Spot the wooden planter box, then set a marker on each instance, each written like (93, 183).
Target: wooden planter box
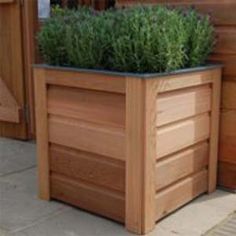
(130, 147)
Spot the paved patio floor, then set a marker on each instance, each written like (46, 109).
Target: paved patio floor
(23, 214)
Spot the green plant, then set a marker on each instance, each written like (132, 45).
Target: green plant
(139, 39)
(201, 38)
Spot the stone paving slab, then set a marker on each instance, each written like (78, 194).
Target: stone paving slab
(16, 156)
(19, 203)
(225, 228)
(201, 214)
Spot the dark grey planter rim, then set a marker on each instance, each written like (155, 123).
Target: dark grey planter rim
(129, 74)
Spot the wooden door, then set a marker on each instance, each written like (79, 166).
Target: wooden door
(13, 122)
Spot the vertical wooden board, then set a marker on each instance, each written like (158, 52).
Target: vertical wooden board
(42, 133)
(214, 130)
(30, 27)
(151, 88)
(141, 151)
(11, 68)
(134, 154)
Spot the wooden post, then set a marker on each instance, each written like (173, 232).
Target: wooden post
(30, 26)
(42, 133)
(214, 138)
(140, 187)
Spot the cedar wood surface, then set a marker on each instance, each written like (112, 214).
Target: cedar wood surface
(11, 71)
(153, 157)
(223, 14)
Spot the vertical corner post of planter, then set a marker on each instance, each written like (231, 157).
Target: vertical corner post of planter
(215, 122)
(42, 132)
(140, 155)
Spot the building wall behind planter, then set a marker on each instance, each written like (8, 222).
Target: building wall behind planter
(224, 17)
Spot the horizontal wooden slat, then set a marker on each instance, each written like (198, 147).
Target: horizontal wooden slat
(229, 95)
(221, 12)
(180, 193)
(226, 38)
(181, 165)
(175, 82)
(228, 136)
(180, 135)
(86, 80)
(106, 172)
(107, 141)
(88, 105)
(88, 197)
(181, 104)
(227, 175)
(229, 62)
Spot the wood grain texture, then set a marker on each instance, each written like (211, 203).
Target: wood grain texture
(183, 164)
(223, 16)
(181, 104)
(29, 30)
(180, 193)
(6, 1)
(229, 62)
(12, 65)
(86, 80)
(135, 95)
(229, 95)
(42, 134)
(109, 155)
(87, 166)
(150, 147)
(226, 38)
(87, 196)
(9, 109)
(175, 82)
(177, 136)
(227, 175)
(107, 141)
(140, 151)
(88, 105)
(228, 136)
(214, 130)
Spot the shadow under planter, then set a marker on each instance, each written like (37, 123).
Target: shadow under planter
(131, 147)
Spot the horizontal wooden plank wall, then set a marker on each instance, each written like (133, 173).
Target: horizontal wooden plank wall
(223, 14)
(86, 170)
